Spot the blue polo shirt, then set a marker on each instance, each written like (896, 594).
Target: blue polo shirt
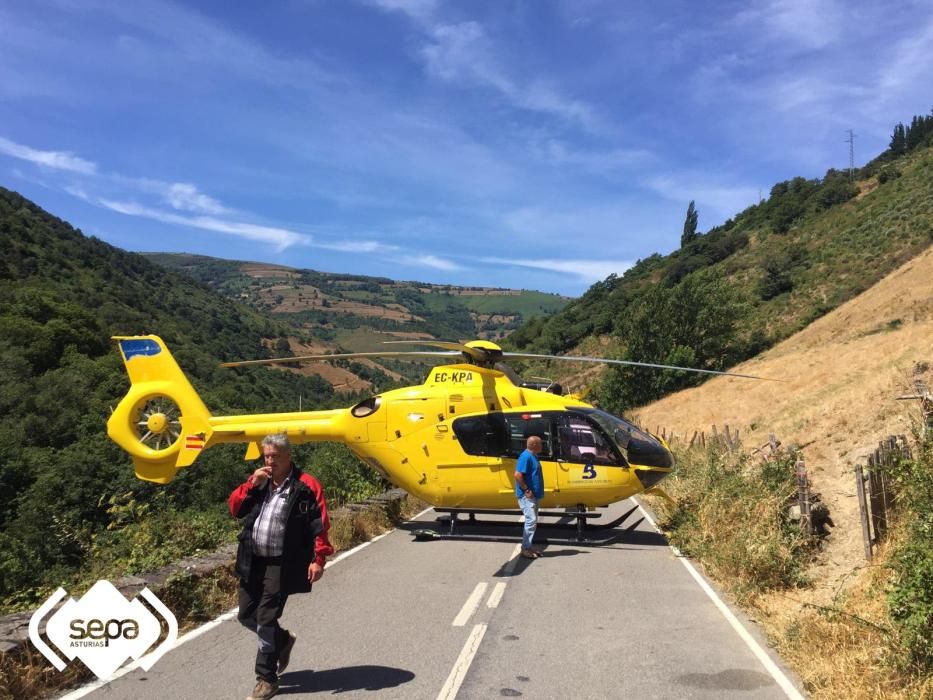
(530, 468)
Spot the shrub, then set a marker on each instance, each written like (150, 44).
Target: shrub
(910, 599)
(731, 514)
(887, 174)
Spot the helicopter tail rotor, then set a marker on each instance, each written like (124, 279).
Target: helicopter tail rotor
(161, 422)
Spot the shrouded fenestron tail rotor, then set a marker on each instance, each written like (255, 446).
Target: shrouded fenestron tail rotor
(156, 422)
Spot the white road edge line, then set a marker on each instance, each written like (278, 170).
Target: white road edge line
(782, 680)
(469, 607)
(462, 665)
(496, 595)
(206, 627)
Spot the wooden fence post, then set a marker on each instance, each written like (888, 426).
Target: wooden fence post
(878, 524)
(803, 497)
(863, 509)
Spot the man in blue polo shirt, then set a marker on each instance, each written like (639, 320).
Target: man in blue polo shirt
(529, 488)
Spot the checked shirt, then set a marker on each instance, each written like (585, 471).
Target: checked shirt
(269, 528)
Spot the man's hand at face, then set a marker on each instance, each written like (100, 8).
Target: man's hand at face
(260, 475)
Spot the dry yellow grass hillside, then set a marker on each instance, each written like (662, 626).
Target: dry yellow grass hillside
(841, 375)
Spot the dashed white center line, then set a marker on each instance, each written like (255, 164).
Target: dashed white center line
(496, 595)
(459, 671)
(469, 607)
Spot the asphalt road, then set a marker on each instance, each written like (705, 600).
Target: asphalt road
(468, 618)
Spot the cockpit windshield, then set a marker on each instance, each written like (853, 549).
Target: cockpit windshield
(638, 446)
(618, 429)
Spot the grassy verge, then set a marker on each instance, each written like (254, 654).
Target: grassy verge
(875, 640)
(192, 599)
(732, 515)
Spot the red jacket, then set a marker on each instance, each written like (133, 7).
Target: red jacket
(322, 545)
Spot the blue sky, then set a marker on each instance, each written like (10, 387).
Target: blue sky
(539, 144)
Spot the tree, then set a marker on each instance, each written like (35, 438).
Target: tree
(690, 325)
(690, 225)
(776, 279)
(898, 140)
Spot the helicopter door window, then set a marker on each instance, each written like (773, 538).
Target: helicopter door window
(482, 435)
(581, 441)
(523, 425)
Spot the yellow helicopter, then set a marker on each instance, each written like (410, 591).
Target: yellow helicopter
(453, 441)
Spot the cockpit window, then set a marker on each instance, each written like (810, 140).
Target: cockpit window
(582, 441)
(639, 447)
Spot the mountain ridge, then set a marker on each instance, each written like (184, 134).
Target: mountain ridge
(787, 261)
(329, 306)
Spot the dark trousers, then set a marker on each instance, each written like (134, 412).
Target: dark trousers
(261, 604)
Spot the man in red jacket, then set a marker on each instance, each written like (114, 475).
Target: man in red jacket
(283, 549)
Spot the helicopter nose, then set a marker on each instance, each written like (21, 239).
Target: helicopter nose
(647, 451)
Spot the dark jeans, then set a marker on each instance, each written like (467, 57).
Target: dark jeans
(261, 604)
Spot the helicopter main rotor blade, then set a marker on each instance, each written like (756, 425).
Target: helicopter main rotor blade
(478, 354)
(340, 356)
(566, 358)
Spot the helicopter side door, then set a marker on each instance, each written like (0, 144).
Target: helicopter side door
(585, 457)
(521, 426)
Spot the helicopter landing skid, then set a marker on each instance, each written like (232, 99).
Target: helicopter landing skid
(581, 517)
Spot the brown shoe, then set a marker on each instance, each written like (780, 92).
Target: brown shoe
(286, 654)
(529, 554)
(264, 690)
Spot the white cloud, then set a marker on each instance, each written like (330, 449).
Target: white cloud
(196, 41)
(416, 9)
(560, 153)
(463, 53)
(57, 160)
(725, 200)
(795, 24)
(357, 247)
(79, 192)
(911, 63)
(813, 24)
(186, 197)
(279, 237)
(588, 271)
(431, 261)
(590, 226)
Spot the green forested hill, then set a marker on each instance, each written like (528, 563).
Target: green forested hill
(67, 494)
(356, 312)
(756, 279)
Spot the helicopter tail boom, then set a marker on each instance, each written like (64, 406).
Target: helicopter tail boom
(161, 422)
(164, 426)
